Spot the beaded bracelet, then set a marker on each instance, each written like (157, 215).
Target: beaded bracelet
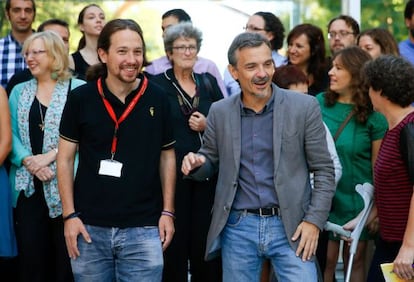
(168, 213)
(71, 215)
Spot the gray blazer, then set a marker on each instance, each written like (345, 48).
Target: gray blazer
(299, 147)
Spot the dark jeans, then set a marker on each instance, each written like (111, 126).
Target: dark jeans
(384, 252)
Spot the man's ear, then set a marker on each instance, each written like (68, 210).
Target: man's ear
(407, 23)
(102, 55)
(270, 35)
(233, 71)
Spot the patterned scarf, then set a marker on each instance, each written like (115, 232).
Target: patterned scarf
(24, 180)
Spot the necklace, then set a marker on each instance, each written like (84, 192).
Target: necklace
(42, 124)
(187, 107)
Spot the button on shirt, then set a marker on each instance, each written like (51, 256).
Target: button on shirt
(11, 58)
(256, 186)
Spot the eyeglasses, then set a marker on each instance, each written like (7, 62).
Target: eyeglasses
(253, 28)
(183, 49)
(340, 34)
(34, 53)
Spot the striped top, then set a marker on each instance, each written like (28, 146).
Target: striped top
(393, 189)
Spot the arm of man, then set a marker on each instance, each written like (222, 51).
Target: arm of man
(168, 175)
(65, 171)
(320, 163)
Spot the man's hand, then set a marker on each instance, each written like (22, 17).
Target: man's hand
(74, 227)
(309, 235)
(192, 161)
(166, 229)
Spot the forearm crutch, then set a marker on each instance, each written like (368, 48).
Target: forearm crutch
(366, 191)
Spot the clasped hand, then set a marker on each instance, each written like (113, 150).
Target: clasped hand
(38, 165)
(197, 122)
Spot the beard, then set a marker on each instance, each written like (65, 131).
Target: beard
(128, 78)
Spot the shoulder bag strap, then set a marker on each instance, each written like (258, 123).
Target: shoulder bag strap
(343, 124)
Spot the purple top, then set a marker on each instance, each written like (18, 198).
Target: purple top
(202, 65)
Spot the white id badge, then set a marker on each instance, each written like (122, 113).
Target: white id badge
(110, 168)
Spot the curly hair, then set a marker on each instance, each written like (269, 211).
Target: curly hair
(383, 38)
(393, 76)
(352, 59)
(275, 26)
(317, 65)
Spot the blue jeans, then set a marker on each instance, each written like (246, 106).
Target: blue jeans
(248, 239)
(115, 254)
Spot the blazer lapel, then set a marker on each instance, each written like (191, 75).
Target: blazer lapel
(278, 122)
(235, 123)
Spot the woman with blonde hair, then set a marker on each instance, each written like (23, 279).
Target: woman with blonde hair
(35, 108)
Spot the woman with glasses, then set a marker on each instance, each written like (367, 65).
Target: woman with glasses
(306, 50)
(35, 108)
(191, 95)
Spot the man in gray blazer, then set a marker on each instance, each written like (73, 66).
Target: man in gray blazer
(264, 142)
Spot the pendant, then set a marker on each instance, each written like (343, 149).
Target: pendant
(42, 126)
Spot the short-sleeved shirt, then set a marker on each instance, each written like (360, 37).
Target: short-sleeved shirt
(406, 48)
(393, 188)
(135, 198)
(354, 148)
(11, 59)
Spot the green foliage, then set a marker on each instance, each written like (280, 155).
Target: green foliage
(374, 13)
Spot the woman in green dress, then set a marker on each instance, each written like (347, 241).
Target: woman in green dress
(357, 146)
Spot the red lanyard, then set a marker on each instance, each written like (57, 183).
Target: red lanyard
(124, 115)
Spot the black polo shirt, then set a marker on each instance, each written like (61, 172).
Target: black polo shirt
(135, 198)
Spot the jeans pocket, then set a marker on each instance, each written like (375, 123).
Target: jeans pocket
(235, 217)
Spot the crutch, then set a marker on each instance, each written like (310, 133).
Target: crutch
(366, 191)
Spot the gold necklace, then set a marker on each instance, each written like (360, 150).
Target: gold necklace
(42, 124)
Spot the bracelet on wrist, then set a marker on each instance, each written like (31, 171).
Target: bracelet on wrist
(168, 213)
(71, 215)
